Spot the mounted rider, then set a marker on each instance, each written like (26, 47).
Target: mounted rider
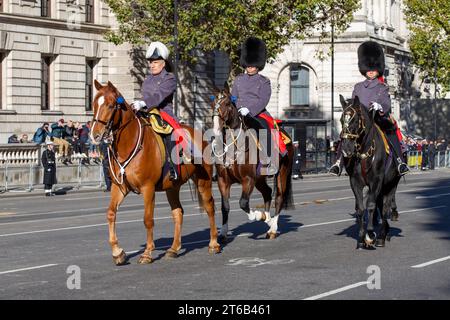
(373, 93)
(158, 90)
(251, 92)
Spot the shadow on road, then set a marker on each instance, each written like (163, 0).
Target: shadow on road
(436, 197)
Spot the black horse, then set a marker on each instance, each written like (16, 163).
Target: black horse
(368, 164)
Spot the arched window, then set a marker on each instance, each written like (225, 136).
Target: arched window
(299, 86)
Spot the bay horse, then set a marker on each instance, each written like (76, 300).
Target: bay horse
(226, 116)
(368, 164)
(136, 158)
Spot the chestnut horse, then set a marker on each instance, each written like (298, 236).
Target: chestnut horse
(134, 154)
(226, 116)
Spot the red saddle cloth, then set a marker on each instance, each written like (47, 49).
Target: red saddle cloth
(278, 139)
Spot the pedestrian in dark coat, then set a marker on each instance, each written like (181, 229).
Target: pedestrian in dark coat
(49, 164)
(431, 154)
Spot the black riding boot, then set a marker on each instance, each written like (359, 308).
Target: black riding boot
(336, 168)
(170, 145)
(402, 167)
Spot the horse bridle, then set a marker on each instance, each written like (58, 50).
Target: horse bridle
(119, 102)
(347, 134)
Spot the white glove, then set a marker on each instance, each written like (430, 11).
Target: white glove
(138, 105)
(244, 111)
(377, 107)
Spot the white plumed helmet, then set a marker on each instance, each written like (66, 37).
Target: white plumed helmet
(157, 50)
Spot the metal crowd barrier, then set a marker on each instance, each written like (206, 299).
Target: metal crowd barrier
(419, 160)
(20, 165)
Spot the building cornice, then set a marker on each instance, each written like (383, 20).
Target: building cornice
(51, 23)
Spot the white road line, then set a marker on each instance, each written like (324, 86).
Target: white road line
(30, 268)
(422, 265)
(188, 215)
(88, 226)
(433, 196)
(329, 293)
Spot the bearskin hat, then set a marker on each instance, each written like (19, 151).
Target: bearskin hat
(253, 53)
(370, 57)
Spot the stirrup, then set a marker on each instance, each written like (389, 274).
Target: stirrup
(332, 171)
(405, 166)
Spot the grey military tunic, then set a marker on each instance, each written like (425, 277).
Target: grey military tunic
(252, 92)
(369, 91)
(158, 91)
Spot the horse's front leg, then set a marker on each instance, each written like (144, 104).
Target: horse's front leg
(374, 191)
(248, 185)
(359, 206)
(266, 191)
(119, 256)
(149, 206)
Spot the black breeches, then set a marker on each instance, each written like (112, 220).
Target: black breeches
(257, 124)
(394, 143)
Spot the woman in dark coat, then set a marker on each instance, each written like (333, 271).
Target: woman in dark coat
(49, 164)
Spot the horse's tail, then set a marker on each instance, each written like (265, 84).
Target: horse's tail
(288, 200)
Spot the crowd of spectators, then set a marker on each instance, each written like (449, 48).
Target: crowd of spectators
(70, 138)
(428, 149)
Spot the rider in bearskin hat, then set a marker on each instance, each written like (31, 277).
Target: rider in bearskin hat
(252, 91)
(373, 93)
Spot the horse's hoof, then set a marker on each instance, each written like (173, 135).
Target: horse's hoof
(359, 246)
(388, 238)
(170, 254)
(271, 235)
(120, 259)
(214, 250)
(380, 243)
(394, 218)
(145, 259)
(222, 239)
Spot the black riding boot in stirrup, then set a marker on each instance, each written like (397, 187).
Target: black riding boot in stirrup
(402, 167)
(170, 145)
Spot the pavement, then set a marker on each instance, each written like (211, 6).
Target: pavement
(57, 247)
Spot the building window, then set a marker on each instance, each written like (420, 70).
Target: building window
(1, 5)
(90, 65)
(299, 86)
(90, 11)
(45, 82)
(45, 8)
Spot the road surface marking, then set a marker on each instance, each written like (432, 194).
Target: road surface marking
(188, 215)
(329, 293)
(30, 268)
(422, 265)
(433, 196)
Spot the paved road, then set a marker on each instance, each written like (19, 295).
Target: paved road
(314, 257)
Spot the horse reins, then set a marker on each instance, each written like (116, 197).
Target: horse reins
(120, 101)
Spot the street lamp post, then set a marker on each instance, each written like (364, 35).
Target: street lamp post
(435, 48)
(175, 71)
(332, 79)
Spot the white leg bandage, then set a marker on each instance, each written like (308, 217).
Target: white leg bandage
(251, 215)
(273, 223)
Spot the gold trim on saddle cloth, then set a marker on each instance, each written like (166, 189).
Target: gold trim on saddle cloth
(383, 136)
(157, 122)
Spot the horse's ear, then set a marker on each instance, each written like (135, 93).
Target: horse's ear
(110, 84)
(356, 101)
(97, 84)
(226, 88)
(343, 102)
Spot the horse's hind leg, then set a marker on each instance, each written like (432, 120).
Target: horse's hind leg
(149, 205)
(224, 187)
(387, 203)
(204, 187)
(119, 256)
(394, 212)
(173, 196)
